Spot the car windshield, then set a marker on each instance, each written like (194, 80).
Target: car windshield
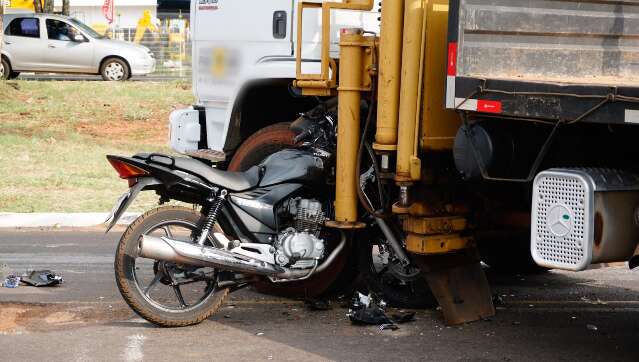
(87, 29)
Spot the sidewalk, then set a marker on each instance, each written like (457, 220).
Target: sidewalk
(28, 220)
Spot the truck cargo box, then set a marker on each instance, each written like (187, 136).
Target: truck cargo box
(554, 60)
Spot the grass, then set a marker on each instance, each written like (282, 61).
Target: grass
(54, 137)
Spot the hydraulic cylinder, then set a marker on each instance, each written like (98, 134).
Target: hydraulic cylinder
(348, 129)
(390, 67)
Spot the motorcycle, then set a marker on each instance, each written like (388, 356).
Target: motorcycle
(174, 265)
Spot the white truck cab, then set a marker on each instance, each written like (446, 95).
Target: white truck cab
(243, 67)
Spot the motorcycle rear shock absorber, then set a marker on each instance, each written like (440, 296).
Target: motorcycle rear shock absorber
(211, 219)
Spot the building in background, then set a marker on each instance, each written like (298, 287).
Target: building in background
(127, 12)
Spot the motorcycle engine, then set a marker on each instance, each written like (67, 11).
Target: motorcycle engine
(299, 245)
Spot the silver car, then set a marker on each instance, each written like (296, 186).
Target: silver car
(60, 44)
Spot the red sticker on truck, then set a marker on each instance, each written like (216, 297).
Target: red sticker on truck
(208, 4)
(452, 59)
(488, 106)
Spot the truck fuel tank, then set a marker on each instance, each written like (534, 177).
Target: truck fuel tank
(584, 216)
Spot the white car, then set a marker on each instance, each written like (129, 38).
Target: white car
(61, 44)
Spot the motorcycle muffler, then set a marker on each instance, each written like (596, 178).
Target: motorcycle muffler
(165, 249)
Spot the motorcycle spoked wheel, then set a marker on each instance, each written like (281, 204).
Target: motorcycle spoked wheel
(166, 294)
(335, 279)
(387, 281)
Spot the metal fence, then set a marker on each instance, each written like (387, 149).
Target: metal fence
(169, 40)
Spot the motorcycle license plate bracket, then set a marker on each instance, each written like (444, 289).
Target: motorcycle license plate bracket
(126, 199)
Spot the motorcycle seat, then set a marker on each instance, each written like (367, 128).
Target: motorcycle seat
(232, 181)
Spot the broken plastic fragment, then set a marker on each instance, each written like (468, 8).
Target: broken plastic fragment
(369, 310)
(403, 318)
(42, 278)
(12, 281)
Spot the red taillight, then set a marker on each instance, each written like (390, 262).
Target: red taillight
(133, 181)
(127, 171)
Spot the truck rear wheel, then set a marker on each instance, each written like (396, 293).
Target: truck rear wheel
(508, 252)
(262, 144)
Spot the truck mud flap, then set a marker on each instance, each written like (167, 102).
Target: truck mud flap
(459, 284)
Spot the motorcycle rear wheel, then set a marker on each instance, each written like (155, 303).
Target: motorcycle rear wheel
(172, 307)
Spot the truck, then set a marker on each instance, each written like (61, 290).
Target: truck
(488, 130)
(243, 67)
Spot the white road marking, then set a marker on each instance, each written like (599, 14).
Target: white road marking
(133, 351)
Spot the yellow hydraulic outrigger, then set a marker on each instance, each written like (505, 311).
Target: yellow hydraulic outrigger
(408, 63)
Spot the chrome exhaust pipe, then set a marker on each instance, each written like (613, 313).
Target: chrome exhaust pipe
(165, 249)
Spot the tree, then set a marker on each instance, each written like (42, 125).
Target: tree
(48, 6)
(37, 5)
(65, 7)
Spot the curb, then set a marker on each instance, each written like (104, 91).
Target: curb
(33, 220)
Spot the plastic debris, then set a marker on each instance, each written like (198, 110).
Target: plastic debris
(390, 326)
(365, 310)
(401, 318)
(42, 278)
(369, 310)
(590, 301)
(12, 281)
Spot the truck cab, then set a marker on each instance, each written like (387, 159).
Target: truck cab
(243, 68)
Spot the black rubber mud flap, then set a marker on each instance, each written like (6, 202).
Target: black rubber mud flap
(459, 285)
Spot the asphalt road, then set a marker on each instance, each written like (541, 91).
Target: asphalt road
(589, 316)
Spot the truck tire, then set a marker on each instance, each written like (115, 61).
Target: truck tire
(115, 70)
(251, 152)
(260, 145)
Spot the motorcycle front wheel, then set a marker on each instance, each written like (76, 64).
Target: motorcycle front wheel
(166, 294)
(395, 285)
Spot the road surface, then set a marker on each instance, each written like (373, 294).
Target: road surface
(589, 316)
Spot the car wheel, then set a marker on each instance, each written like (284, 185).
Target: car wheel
(14, 75)
(115, 69)
(5, 69)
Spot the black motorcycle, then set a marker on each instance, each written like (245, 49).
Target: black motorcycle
(175, 265)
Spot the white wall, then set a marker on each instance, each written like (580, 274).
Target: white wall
(129, 15)
(90, 11)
